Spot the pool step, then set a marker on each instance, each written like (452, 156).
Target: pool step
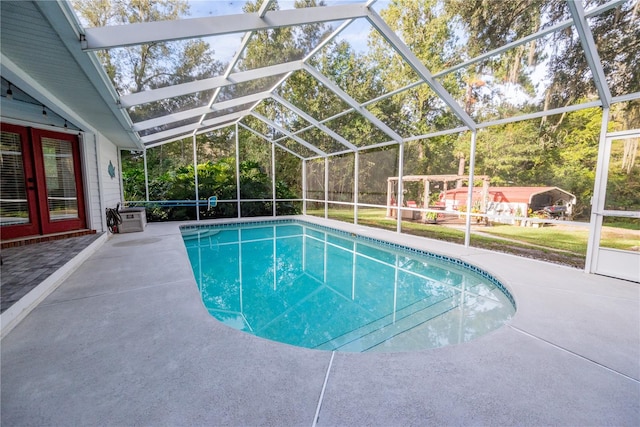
(385, 328)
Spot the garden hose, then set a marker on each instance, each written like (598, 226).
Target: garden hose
(113, 219)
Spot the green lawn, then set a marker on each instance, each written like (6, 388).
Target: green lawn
(567, 246)
(572, 239)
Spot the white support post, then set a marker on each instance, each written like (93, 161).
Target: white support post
(238, 170)
(326, 187)
(389, 191)
(195, 177)
(356, 161)
(599, 192)
(426, 198)
(400, 198)
(472, 164)
(146, 175)
(304, 186)
(273, 180)
(120, 178)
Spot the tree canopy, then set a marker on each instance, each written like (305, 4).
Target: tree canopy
(542, 74)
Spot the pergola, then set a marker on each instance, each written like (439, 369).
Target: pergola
(240, 112)
(426, 180)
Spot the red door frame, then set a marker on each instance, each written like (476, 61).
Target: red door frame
(47, 225)
(35, 181)
(33, 226)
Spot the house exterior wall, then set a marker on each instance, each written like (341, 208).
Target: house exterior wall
(101, 191)
(91, 182)
(110, 184)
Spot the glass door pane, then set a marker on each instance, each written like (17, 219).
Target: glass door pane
(60, 179)
(18, 203)
(14, 206)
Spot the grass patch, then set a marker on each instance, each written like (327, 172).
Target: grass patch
(561, 246)
(620, 238)
(571, 239)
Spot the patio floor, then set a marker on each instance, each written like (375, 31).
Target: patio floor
(125, 340)
(25, 267)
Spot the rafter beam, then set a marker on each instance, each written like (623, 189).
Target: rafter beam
(169, 118)
(264, 7)
(234, 102)
(230, 66)
(539, 34)
(289, 134)
(379, 24)
(200, 111)
(288, 150)
(207, 84)
(314, 122)
(352, 102)
(149, 32)
(189, 129)
(590, 52)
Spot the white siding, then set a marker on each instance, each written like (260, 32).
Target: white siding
(110, 186)
(101, 191)
(90, 182)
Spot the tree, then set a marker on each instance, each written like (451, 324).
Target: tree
(148, 66)
(617, 36)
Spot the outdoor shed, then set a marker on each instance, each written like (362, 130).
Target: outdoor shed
(511, 201)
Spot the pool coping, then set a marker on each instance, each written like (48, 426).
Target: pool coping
(125, 339)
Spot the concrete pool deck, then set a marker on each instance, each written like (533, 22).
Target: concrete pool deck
(126, 340)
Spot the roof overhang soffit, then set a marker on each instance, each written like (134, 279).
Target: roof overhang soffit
(63, 21)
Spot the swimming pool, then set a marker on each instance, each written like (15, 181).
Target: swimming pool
(321, 288)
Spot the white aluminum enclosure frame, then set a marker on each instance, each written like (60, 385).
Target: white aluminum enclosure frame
(602, 260)
(248, 23)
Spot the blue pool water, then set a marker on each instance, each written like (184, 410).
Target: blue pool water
(319, 288)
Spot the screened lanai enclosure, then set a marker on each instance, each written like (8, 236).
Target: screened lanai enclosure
(269, 108)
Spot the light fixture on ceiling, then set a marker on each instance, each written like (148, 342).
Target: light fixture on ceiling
(44, 111)
(65, 124)
(9, 93)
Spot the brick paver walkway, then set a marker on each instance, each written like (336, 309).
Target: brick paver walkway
(25, 267)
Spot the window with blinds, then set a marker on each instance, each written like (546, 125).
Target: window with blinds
(60, 178)
(14, 207)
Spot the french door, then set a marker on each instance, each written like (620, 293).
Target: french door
(41, 188)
